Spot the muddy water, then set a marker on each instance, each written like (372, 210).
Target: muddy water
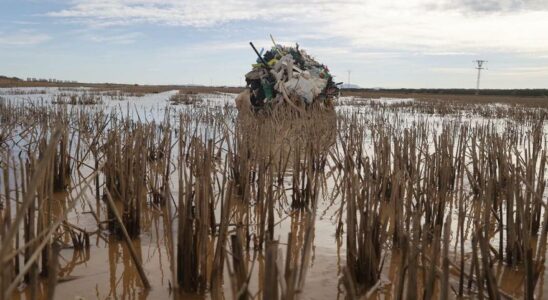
(106, 271)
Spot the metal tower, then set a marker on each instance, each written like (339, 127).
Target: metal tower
(479, 68)
(348, 83)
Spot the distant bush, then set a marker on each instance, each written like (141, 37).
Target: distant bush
(84, 99)
(185, 98)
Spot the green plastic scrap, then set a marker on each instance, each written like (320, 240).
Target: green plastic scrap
(267, 89)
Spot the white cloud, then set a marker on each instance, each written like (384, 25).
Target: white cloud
(421, 25)
(169, 12)
(22, 38)
(449, 53)
(494, 5)
(453, 70)
(523, 71)
(513, 76)
(121, 39)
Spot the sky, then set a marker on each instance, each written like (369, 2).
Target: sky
(389, 43)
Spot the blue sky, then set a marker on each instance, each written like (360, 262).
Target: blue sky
(393, 43)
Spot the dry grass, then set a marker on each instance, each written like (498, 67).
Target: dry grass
(185, 98)
(126, 89)
(74, 99)
(453, 199)
(449, 99)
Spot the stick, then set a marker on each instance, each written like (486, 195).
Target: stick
(276, 46)
(142, 274)
(37, 251)
(28, 198)
(259, 55)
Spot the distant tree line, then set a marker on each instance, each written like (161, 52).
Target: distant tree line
(50, 80)
(488, 92)
(6, 78)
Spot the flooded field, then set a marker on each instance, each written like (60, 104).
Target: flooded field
(112, 195)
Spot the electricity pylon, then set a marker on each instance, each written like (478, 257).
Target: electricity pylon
(479, 68)
(348, 83)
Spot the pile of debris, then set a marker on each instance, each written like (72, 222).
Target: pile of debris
(288, 75)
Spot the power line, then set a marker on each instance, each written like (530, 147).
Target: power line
(479, 68)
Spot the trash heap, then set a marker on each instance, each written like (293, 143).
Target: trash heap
(289, 74)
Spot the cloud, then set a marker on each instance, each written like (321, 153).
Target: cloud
(514, 71)
(489, 6)
(424, 26)
(23, 38)
(523, 71)
(171, 12)
(449, 53)
(120, 39)
(453, 70)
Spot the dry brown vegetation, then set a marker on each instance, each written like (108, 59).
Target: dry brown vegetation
(127, 89)
(75, 99)
(454, 99)
(185, 98)
(449, 204)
